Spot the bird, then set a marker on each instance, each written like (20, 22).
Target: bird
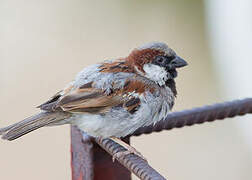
(114, 98)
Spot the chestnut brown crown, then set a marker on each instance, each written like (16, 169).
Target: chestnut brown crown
(157, 53)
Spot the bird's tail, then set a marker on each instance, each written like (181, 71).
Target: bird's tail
(32, 123)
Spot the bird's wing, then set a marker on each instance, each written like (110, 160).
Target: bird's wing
(89, 99)
(51, 103)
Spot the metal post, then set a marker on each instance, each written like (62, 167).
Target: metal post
(91, 162)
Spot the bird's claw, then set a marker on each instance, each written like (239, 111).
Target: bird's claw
(129, 151)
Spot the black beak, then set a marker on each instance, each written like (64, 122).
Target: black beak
(178, 62)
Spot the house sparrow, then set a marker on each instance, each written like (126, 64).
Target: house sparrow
(114, 98)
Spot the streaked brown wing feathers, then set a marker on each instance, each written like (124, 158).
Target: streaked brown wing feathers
(50, 105)
(81, 101)
(132, 105)
(92, 100)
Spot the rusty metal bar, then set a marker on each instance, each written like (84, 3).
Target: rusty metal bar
(200, 115)
(91, 162)
(132, 162)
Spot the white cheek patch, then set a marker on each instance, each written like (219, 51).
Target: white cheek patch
(156, 73)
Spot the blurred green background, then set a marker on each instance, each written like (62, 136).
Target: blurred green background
(43, 44)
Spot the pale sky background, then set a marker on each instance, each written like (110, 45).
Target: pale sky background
(43, 44)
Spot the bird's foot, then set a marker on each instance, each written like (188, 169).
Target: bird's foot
(130, 150)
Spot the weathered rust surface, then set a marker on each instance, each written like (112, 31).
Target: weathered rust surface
(91, 162)
(132, 162)
(105, 169)
(81, 155)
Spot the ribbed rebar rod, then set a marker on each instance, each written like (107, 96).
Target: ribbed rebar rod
(199, 115)
(132, 162)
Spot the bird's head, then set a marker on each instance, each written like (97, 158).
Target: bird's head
(156, 61)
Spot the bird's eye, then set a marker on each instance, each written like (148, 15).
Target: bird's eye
(160, 59)
(163, 60)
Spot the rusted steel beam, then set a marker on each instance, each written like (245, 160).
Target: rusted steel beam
(200, 115)
(91, 162)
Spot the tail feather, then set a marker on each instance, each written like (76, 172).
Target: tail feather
(32, 123)
(18, 124)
